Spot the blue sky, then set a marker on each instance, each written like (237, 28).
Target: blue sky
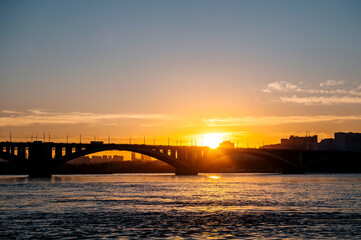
(188, 63)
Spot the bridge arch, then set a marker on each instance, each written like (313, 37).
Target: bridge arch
(318, 160)
(266, 156)
(181, 168)
(334, 161)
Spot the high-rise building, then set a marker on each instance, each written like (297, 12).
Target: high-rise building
(348, 141)
(300, 143)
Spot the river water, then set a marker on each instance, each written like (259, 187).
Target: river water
(158, 206)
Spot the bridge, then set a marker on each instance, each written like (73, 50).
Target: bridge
(40, 159)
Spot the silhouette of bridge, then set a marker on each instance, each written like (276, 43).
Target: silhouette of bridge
(40, 159)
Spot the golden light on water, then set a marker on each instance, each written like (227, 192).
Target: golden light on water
(214, 177)
(212, 140)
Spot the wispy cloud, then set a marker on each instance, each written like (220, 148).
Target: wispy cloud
(11, 112)
(42, 117)
(332, 83)
(276, 120)
(328, 92)
(321, 100)
(280, 86)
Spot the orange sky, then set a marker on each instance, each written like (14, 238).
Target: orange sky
(252, 71)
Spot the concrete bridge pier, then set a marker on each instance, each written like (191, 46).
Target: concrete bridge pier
(185, 171)
(292, 171)
(40, 172)
(39, 165)
(297, 159)
(186, 156)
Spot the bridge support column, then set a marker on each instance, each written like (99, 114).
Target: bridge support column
(185, 157)
(185, 171)
(40, 161)
(296, 158)
(58, 152)
(40, 172)
(292, 171)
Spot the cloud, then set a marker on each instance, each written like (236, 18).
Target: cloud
(11, 112)
(332, 83)
(333, 94)
(37, 111)
(280, 86)
(53, 118)
(321, 100)
(275, 120)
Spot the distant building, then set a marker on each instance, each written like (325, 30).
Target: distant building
(81, 160)
(295, 142)
(145, 158)
(133, 157)
(348, 141)
(342, 142)
(326, 144)
(226, 144)
(117, 158)
(97, 159)
(272, 146)
(300, 143)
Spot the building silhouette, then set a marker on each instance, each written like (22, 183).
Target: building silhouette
(327, 144)
(133, 157)
(97, 159)
(226, 144)
(295, 142)
(300, 143)
(348, 141)
(145, 158)
(342, 142)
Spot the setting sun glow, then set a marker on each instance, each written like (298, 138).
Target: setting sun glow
(212, 140)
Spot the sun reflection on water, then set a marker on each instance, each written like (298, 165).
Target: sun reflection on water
(214, 177)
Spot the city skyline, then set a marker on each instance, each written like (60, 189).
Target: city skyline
(248, 72)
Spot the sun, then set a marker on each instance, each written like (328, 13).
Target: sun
(212, 140)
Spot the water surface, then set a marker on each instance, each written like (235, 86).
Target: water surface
(217, 206)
